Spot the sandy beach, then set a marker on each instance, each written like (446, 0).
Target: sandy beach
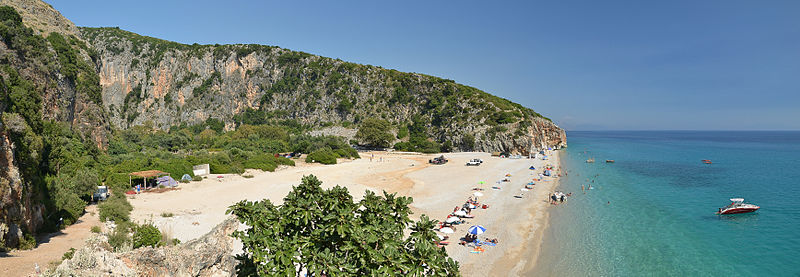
(436, 190)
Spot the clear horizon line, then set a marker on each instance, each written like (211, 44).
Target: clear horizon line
(681, 130)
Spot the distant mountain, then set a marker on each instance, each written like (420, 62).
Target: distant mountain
(148, 79)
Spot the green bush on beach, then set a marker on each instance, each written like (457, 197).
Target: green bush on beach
(146, 235)
(117, 209)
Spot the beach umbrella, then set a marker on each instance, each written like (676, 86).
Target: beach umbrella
(477, 193)
(472, 206)
(460, 213)
(476, 230)
(447, 230)
(452, 219)
(440, 236)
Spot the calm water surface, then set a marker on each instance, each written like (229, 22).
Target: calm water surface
(652, 212)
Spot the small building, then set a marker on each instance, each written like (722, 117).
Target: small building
(201, 170)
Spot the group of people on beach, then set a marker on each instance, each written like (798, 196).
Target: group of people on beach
(558, 197)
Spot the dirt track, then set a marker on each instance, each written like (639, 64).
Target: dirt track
(51, 247)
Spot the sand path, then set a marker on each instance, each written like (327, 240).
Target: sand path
(51, 247)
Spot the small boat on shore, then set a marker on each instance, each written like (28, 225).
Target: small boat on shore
(738, 206)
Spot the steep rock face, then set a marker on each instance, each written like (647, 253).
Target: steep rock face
(34, 89)
(17, 211)
(209, 255)
(147, 79)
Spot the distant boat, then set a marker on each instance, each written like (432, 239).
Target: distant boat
(590, 160)
(738, 206)
(706, 161)
(609, 161)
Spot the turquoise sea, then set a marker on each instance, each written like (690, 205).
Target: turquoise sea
(652, 212)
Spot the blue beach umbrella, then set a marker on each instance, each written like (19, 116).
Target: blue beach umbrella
(476, 230)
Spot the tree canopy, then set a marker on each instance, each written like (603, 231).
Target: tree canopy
(375, 132)
(326, 233)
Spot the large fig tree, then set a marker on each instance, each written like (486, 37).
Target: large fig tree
(322, 232)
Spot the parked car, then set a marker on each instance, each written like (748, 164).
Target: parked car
(474, 162)
(438, 160)
(101, 194)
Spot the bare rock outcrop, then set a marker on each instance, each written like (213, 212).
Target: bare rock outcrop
(209, 255)
(42, 17)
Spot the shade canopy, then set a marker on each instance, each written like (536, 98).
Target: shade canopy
(476, 230)
(148, 173)
(460, 213)
(452, 219)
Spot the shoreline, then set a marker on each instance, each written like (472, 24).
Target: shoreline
(533, 253)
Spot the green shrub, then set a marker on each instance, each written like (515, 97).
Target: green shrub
(323, 156)
(119, 237)
(197, 178)
(375, 132)
(68, 255)
(146, 235)
(116, 209)
(8, 13)
(166, 214)
(96, 229)
(27, 242)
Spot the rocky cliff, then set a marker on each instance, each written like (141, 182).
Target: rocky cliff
(209, 255)
(44, 79)
(148, 79)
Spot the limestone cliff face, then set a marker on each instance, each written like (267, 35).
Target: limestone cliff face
(167, 83)
(34, 88)
(18, 211)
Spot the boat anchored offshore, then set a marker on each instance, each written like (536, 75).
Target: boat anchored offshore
(738, 206)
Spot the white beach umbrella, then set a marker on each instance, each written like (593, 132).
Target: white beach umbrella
(472, 206)
(440, 236)
(476, 230)
(460, 213)
(477, 193)
(452, 219)
(447, 230)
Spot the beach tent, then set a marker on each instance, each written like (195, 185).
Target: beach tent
(166, 181)
(186, 177)
(447, 230)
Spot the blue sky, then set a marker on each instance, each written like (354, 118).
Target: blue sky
(588, 65)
